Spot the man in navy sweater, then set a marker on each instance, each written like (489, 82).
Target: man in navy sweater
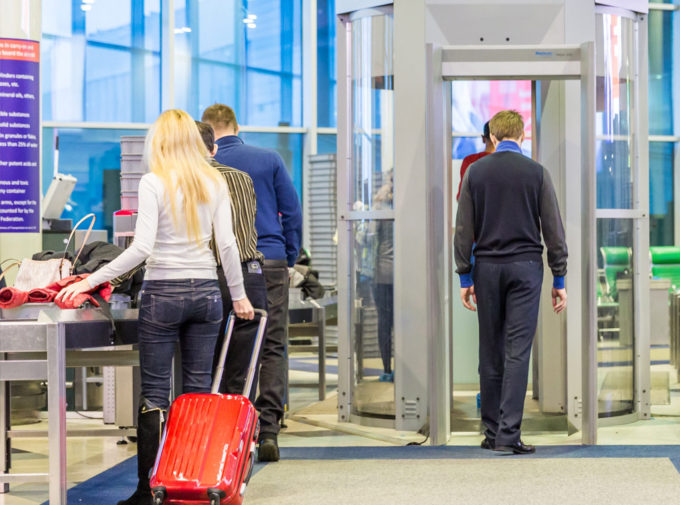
(279, 233)
(507, 200)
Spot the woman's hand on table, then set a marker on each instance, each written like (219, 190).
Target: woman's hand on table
(73, 290)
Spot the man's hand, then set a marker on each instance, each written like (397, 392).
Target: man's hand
(465, 294)
(561, 295)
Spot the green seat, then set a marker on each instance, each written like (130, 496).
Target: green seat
(665, 262)
(615, 260)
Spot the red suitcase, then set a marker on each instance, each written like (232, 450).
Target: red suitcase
(208, 446)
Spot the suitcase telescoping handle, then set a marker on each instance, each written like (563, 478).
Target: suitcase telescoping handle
(253, 359)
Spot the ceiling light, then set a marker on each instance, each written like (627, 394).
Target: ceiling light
(88, 1)
(252, 25)
(252, 16)
(184, 29)
(86, 7)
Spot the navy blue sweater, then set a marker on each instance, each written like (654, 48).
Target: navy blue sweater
(279, 216)
(507, 200)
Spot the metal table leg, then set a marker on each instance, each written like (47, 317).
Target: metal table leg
(56, 411)
(321, 325)
(5, 447)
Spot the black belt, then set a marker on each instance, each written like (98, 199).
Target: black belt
(276, 263)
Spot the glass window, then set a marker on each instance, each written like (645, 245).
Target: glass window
(664, 119)
(101, 60)
(326, 144)
(465, 146)
(288, 145)
(92, 156)
(247, 55)
(326, 65)
(662, 162)
(473, 103)
(663, 42)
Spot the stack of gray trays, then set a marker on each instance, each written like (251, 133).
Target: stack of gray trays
(131, 170)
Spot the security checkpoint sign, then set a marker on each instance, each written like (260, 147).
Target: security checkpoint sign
(19, 136)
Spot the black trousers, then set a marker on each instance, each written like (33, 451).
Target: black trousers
(243, 337)
(274, 362)
(508, 297)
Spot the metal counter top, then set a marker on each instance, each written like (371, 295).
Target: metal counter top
(35, 340)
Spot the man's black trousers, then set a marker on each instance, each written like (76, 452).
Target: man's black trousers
(243, 337)
(274, 362)
(508, 297)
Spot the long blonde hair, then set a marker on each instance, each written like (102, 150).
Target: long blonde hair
(175, 152)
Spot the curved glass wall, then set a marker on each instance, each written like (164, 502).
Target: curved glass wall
(615, 190)
(372, 284)
(614, 43)
(372, 115)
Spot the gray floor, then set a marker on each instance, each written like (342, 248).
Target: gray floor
(484, 482)
(313, 425)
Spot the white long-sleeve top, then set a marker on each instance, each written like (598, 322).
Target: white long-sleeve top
(170, 252)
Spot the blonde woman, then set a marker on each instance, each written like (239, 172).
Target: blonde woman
(181, 201)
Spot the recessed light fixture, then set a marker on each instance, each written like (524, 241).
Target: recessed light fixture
(86, 7)
(184, 29)
(252, 16)
(252, 25)
(88, 1)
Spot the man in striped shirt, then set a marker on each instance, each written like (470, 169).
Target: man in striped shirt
(243, 210)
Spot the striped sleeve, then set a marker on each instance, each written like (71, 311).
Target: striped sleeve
(243, 209)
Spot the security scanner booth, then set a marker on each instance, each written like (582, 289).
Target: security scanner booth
(405, 71)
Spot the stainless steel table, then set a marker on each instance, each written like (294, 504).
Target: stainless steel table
(309, 318)
(36, 348)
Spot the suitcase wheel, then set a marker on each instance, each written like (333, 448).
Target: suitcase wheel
(215, 495)
(158, 495)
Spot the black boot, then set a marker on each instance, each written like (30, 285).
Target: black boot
(149, 427)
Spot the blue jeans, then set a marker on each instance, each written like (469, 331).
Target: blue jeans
(188, 311)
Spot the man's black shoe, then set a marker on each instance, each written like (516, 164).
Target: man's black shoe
(489, 444)
(517, 448)
(268, 449)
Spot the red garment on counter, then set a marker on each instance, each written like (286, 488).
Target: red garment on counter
(41, 295)
(104, 291)
(12, 297)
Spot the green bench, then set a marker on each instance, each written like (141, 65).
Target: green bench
(665, 264)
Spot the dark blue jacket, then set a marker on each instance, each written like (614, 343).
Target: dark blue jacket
(278, 236)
